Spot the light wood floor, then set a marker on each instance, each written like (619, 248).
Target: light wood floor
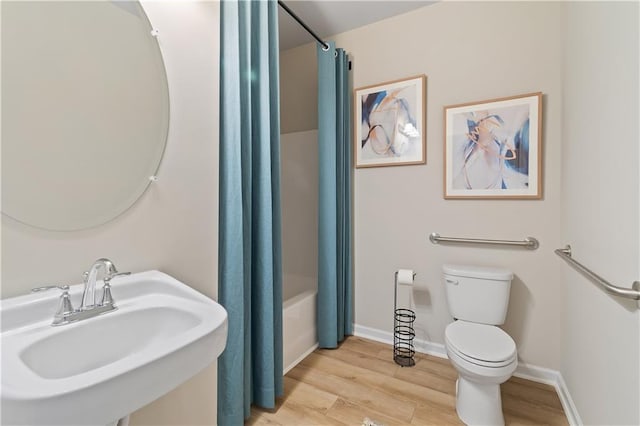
(359, 379)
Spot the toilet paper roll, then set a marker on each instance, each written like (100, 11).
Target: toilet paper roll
(405, 276)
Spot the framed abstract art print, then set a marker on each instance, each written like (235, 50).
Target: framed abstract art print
(390, 123)
(493, 148)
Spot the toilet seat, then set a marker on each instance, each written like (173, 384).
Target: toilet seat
(480, 344)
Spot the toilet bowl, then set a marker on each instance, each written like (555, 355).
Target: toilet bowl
(484, 357)
(483, 354)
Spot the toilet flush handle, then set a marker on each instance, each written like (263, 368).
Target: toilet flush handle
(454, 282)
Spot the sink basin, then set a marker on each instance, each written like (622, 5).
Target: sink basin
(95, 371)
(77, 350)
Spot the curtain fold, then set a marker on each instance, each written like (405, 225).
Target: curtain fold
(250, 253)
(335, 306)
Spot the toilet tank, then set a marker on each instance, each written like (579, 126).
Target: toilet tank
(477, 293)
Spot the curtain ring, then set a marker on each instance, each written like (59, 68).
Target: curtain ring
(326, 47)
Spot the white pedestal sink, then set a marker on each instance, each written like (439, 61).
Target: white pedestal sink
(97, 370)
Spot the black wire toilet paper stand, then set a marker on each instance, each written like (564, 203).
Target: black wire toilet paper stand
(403, 332)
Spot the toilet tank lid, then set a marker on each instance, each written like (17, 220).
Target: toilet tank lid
(483, 272)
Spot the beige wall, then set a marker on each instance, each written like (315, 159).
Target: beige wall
(601, 217)
(469, 51)
(298, 89)
(299, 198)
(173, 227)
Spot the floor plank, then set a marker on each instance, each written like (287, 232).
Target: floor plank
(384, 366)
(429, 379)
(353, 414)
(393, 386)
(353, 388)
(541, 394)
(432, 415)
(359, 379)
(302, 404)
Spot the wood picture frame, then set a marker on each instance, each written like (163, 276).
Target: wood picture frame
(390, 123)
(493, 148)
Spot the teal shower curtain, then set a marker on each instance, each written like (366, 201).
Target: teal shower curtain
(335, 318)
(250, 258)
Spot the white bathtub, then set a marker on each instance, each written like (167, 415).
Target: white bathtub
(299, 328)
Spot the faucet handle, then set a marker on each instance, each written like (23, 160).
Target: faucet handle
(65, 308)
(107, 299)
(64, 288)
(109, 277)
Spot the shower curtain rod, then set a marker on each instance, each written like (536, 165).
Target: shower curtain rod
(325, 46)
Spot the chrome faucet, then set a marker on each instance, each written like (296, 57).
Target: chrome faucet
(90, 277)
(88, 308)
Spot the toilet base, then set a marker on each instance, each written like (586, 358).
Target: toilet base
(478, 404)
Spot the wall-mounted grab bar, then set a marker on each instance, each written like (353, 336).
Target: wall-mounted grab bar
(529, 242)
(629, 293)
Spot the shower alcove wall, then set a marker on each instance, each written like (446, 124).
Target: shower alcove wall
(299, 192)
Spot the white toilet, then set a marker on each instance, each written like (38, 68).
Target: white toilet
(483, 354)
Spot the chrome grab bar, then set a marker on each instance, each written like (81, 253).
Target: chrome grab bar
(529, 242)
(629, 293)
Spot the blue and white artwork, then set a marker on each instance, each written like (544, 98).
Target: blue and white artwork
(390, 123)
(492, 149)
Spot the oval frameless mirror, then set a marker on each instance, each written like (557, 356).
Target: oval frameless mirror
(85, 111)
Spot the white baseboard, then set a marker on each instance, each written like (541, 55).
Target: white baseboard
(422, 346)
(300, 358)
(570, 409)
(537, 374)
(524, 371)
(555, 379)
